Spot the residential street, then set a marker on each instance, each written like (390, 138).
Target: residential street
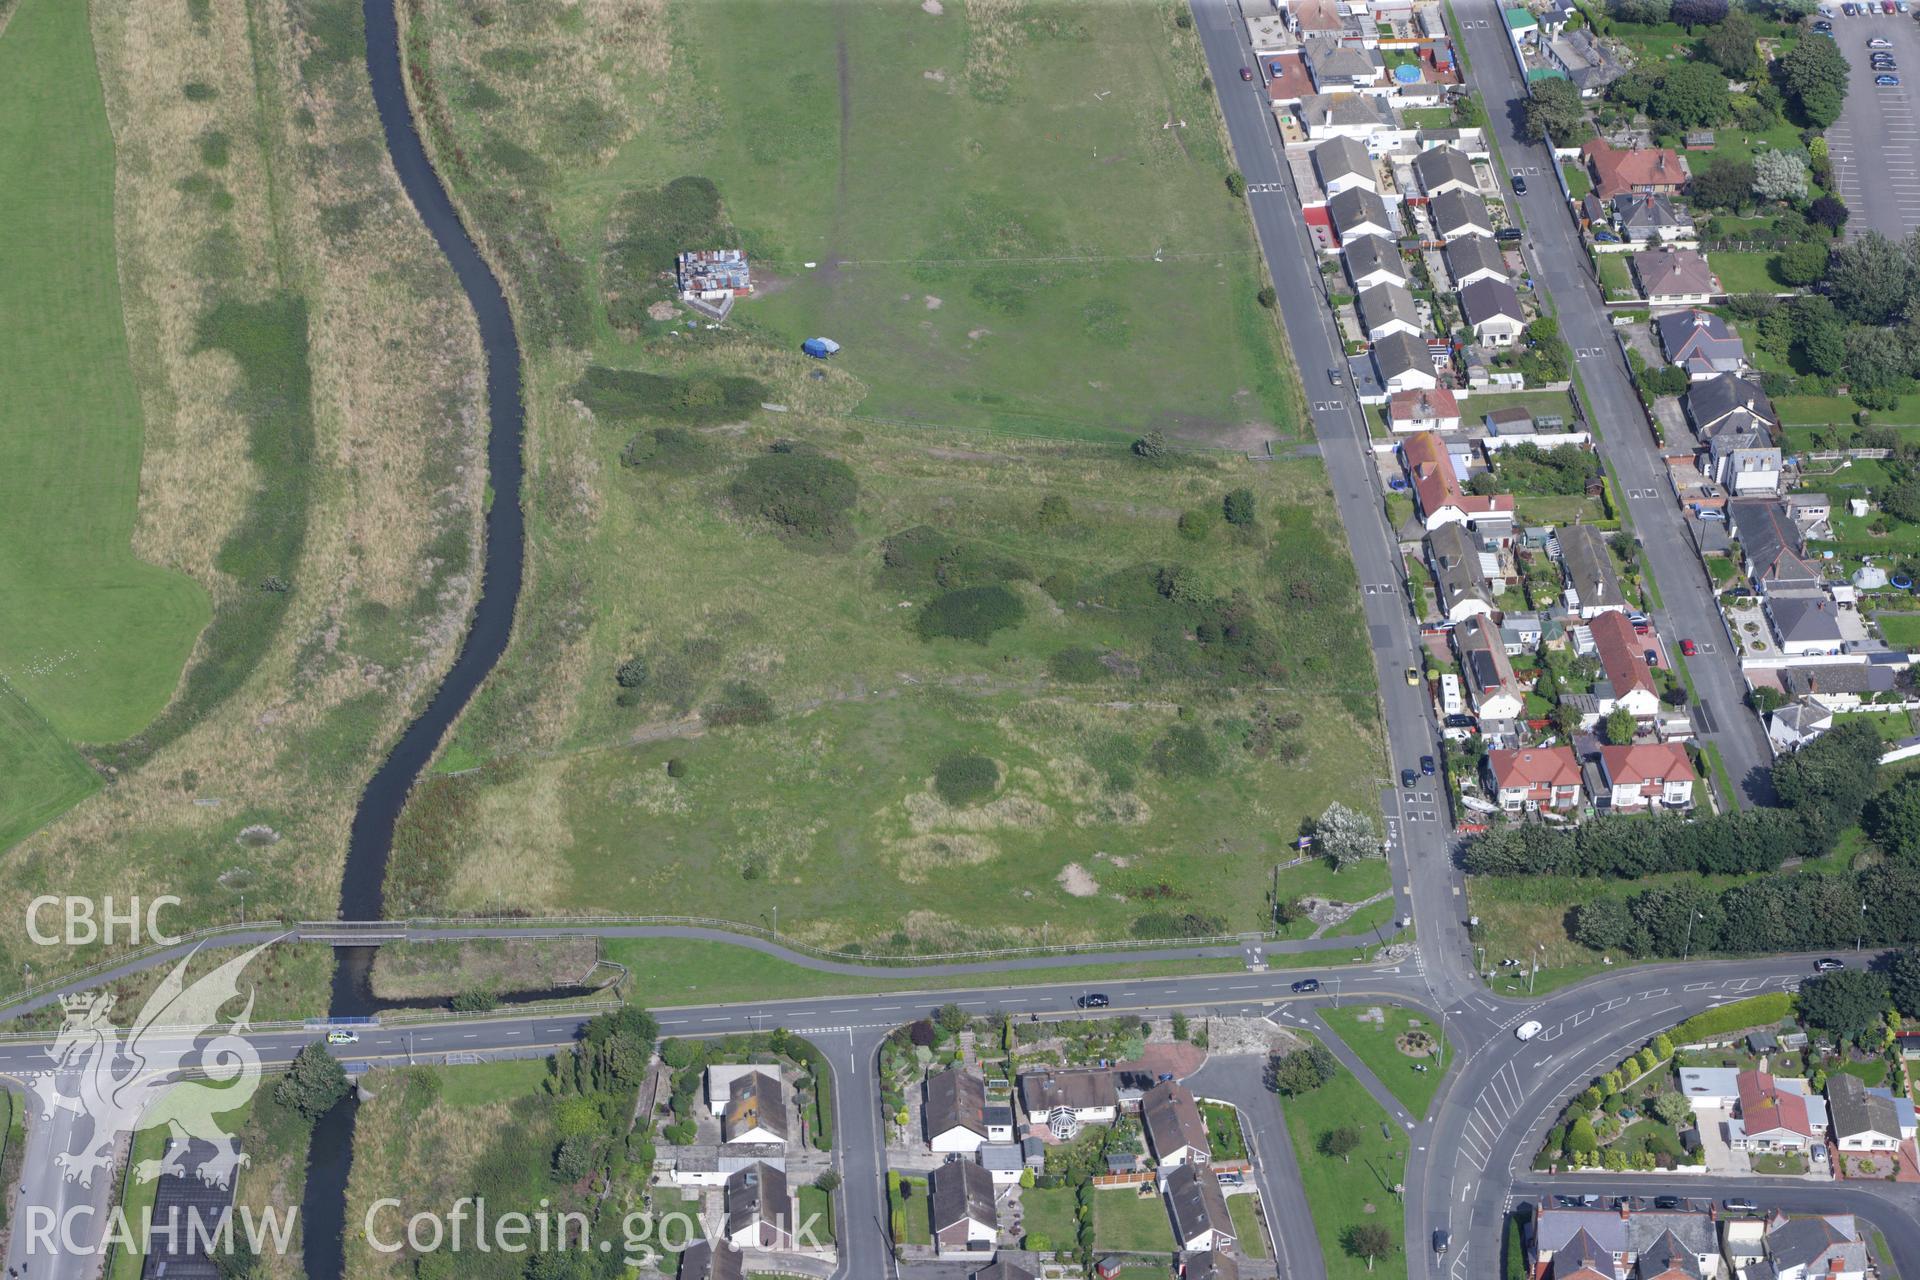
(1559, 265)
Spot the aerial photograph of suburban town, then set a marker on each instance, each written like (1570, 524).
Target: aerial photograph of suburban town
(959, 639)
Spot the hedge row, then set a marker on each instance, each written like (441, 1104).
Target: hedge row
(1756, 1011)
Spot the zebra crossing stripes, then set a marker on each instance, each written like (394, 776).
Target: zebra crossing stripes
(1498, 1103)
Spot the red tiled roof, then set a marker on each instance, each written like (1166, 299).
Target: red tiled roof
(1620, 654)
(1534, 767)
(1764, 1107)
(1431, 470)
(1408, 406)
(1616, 172)
(1644, 763)
(1492, 504)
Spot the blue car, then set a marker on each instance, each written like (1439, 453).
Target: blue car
(1886, 82)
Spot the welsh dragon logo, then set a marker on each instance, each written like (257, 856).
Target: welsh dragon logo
(139, 1078)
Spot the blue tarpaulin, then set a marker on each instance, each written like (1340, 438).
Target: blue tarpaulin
(819, 348)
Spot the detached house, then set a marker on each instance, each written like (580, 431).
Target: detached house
(965, 1219)
(957, 1115)
(1437, 494)
(1089, 1094)
(1214, 1264)
(1358, 212)
(1628, 676)
(1774, 1115)
(1342, 164)
(1863, 1119)
(1804, 624)
(1593, 587)
(1419, 410)
(1534, 778)
(1649, 219)
(1471, 259)
(1776, 558)
(1674, 277)
(1340, 67)
(1584, 60)
(1345, 115)
(1198, 1209)
(1175, 1130)
(1402, 362)
(750, 1101)
(1701, 343)
(1459, 213)
(703, 1261)
(759, 1208)
(1728, 402)
(1647, 170)
(1492, 311)
(1456, 572)
(1385, 309)
(1490, 680)
(1372, 261)
(1647, 775)
(1443, 169)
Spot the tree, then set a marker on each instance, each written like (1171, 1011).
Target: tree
(313, 1083)
(1732, 44)
(1831, 777)
(1302, 1071)
(828, 1181)
(1849, 1003)
(1780, 175)
(1581, 1144)
(1802, 262)
(1553, 111)
(1829, 211)
(1238, 506)
(1619, 727)
(1236, 184)
(1904, 982)
(1724, 184)
(1818, 334)
(1566, 719)
(1691, 95)
(1871, 278)
(1055, 511)
(1650, 12)
(576, 1157)
(1267, 297)
(1151, 445)
(951, 1017)
(1877, 364)
(1344, 837)
(1341, 1142)
(1673, 1108)
(631, 674)
(1368, 1240)
(1814, 76)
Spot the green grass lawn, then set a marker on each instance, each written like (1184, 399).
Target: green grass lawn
(1374, 1042)
(1782, 1163)
(1246, 1224)
(816, 1212)
(1579, 184)
(1872, 1073)
(912, 1199)
(1892, 725)
(92, 638)
(1558, 510)
(1341, 1192)
(1745, 272)
(1885, 1256)
(476, 1084)
(1819, 411)
(1650, 1135)
(1428, 117)
(1616, 276)
(1132, 1223)
(827, 811)
(1048, 1212)
(1653, 42)
(1541, 403)
(137, 1202)
(1900, 629)
(1223, 1129)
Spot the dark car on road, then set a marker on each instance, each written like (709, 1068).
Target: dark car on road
(1408, 777)
(1246, 73)
(1427, 765)
(1828, 965)
(1519, 185)
(1093, 1000)
(1306, 985)
(1439, 1241)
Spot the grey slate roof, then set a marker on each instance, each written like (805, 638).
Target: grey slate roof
(1341, 157)
(961, 1191)
(1172, 1120)
(1211, 1265)
(1456, 212)
(1385, 303)
(1589, 567)
(1456, 566)
(1196, 1203)
(1837, 677)
(1437, 166)
(1365, 255)
(1694, 334)
(1398, 352)
(703, 1261)
(1851, 1109)
(1356, 207)
(1329, 57)
(1485, 300)
(758, 1193)
(1644, 211)
(956, 1099)
(1002, 1269)
(1771, 543)
(1469, 254)
(1728, 401)
(1813, 1242)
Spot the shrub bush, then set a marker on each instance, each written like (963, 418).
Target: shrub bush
(673, 450)
(676, 767)
(806, 495)
(628, 394)
(739, 703)
(1077, 664)
(1184, 751)
(972, 613)
(964, 779)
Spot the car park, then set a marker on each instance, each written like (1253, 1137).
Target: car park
(1427, 765)
(1828, 965)
(1526, 1030)
(1093, 1000)
(1306, 986)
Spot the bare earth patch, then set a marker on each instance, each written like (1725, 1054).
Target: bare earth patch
(933, 7)
(1078, 881)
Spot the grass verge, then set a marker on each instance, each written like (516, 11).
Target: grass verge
(1374, 1033)
(1346, 1194)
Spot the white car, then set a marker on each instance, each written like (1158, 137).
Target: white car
(1527, 1030)
(342, 1037)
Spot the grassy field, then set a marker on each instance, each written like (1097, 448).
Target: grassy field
(1356, 1191)
(1132, 1223)
(971, 202)
(1745, 272)
(1375, 1044)
(91, 636)
(1135, 770)
(45, 775)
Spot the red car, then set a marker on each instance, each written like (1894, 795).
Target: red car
(1689, 648)
(1246, 73)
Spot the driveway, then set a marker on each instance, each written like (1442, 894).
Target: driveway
(1875, 144)
(1239, 1080)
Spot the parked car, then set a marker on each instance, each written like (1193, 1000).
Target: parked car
(1460, 721)
(1828, 965)
(1426, 765)
(1666, 1202)
(1689, 648)
(1519, 185)
(1333, 376)
(1093, 1000)
(1847, 10)
(1886, 64)
(1507, 235)
(1408, 778)
(1413, 675)
(1886, 82)
(1526, 1030)
(1740, 1206)
(1879, 42)
(1306, 986)
(1246, 73)
(1886, 6)
(1653, 659)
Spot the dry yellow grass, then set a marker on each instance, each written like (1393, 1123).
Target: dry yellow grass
(398, 403)
(408, 971)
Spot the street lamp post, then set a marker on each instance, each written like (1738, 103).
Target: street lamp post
(1861, 936)
(1534, 972)
(1689, 947)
